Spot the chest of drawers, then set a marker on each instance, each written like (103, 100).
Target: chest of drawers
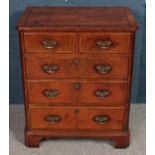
(77, 69)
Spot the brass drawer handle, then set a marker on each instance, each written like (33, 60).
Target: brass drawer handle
(102, 93)
(50, 68)
(104, 44)
(52, 118)
(51, 93)
(50, 44)
(103, 69)
(101, 119)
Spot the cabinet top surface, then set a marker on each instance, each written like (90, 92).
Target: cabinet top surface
(77, 19)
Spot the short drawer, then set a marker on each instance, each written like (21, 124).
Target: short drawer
(76, 66)
(77, 93)
(50, 42)
(77, 118)
(101, 43)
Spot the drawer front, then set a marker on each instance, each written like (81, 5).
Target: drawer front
(77, 93)
(101, 43)
(50, 42)
(76, 118)
(52, 118)
(76, 66)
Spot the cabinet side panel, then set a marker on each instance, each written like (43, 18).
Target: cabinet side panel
(21, 41)
(130, 81)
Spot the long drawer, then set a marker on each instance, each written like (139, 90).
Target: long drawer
(77, 93)
(76, 118)
(45, 66)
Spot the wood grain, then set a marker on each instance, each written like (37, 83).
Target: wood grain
(76, 31)
(66, 42)
(77, 19)
(76, 118)
(83, 96)
(84, 69)
(121, 42)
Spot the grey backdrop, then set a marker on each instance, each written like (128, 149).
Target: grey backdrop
(138, 8)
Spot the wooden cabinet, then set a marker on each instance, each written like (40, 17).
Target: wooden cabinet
(77, 70)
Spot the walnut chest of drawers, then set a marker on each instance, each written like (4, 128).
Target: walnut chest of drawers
(77, 69)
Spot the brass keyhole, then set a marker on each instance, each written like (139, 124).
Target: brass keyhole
(76, 61)
(76, 85)
(76, 111)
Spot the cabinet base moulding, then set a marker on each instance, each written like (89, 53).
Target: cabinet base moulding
(120, 139)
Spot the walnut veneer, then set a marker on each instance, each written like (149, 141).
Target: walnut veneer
(77, 69)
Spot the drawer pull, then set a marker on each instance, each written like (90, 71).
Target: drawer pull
(104, 44)
(52, 118)
(50, 68)
(51, 93)
(76, 85)
(103, 69)
(102, 93)
(49, 43)
(101, 119)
